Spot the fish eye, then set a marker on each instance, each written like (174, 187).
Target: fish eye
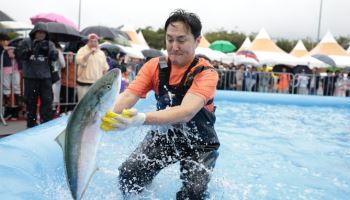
(108, 86)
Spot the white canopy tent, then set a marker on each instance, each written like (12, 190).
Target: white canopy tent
(204, 43)
(268, 52)
(135, 40)
(15, 26)
(329, 46)
(312, 62)
(132, 52)
(215, 55)
(142, 39)
(245, 45)
(301, 53)
(241, 59)
(299, 50)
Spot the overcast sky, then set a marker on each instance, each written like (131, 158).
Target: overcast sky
(293, 19)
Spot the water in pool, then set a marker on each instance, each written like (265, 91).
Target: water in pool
(267, 152)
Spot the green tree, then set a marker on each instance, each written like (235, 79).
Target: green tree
(13, 35)
(252, 36)
(154, 38)
(309, 43)
(343, 41)
(286, 45)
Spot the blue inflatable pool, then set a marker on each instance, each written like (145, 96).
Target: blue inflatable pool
(272, 147)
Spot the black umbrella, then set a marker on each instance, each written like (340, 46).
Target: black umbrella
(152, 53)
(326, 59)
(301, 69)
(112, 49)
(103, 32)
(15, 42)
(75, 46)
(107, 33)
(125, 35)
(62, 33)
(279, 68)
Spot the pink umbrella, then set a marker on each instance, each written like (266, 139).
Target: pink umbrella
(52, 17)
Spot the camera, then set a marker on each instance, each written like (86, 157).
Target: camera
(41, 47)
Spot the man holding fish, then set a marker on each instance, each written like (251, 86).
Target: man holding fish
(184, 86)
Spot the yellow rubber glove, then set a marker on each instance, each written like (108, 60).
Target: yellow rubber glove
(128, 118)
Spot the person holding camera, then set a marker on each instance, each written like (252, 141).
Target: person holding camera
(37, 53)
(92, 65)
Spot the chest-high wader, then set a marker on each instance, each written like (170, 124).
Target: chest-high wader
(200, 129)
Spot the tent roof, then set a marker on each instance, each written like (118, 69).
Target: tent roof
(246, 44)
(329, 46)
(348, 50)
(14, 26)
(263, 43)
(132, 51)
(204, 43)
(312, 62)
(268, 52)
(142, 39)
(134, 39)
(5, 17)
(212, 54)
(299, 50)
(271, 58)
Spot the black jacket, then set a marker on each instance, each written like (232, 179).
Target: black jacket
(36, 56)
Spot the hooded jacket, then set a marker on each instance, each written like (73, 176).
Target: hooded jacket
(36, 56)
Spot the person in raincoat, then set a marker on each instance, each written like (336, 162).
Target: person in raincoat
(38, 54)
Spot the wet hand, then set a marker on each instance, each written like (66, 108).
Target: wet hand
(128, 118)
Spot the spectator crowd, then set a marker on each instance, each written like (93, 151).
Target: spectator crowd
(42, 79)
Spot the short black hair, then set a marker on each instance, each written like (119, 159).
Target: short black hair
(4, 37)
(191, 21)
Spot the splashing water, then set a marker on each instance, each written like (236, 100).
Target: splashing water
(267, 152)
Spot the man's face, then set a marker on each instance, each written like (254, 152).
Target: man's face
(40, 35)
(180, 44)
(93, 43)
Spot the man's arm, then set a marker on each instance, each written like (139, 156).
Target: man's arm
(83, 56)
(23, 51)
(190, 106)
(125, 100)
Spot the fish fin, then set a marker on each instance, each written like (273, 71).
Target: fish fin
(86, 186)
(60, 139)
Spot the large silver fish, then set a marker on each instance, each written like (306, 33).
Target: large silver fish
(81, 138)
